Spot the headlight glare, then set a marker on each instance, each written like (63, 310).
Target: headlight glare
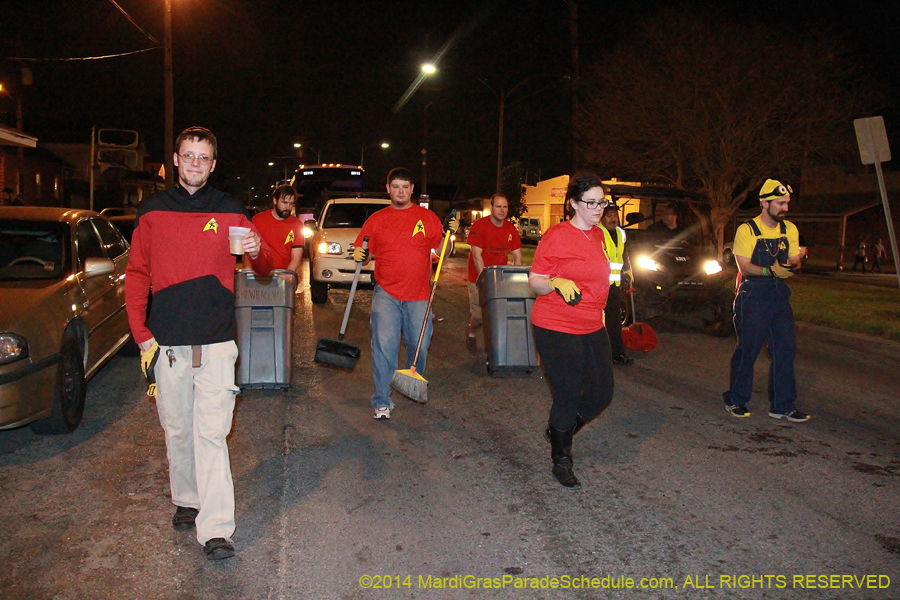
(712, 267)
(648, 263)
(12, 348)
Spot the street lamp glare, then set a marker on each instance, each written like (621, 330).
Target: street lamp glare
(429, 68)
(297, 145)
(385, 145)
(271, 164)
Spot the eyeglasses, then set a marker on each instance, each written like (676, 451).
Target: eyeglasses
(190, 157)
(779, 191)
(592, 204)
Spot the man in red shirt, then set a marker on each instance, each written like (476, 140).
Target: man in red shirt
(401, 238)
(180, 250)
(492, 239)
(281, 230)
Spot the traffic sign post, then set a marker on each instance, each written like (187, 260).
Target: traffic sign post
(874, 150)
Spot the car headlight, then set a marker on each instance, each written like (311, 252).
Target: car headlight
(12, 348)
(648, 263)
(712, 267)
(330, 248)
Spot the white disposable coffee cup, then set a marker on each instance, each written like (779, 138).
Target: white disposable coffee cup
(235, 236)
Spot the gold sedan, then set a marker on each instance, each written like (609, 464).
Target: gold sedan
(62, 312)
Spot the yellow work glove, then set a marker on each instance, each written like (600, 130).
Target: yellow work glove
(148, 363)
(452, 224)
(567, 289)
(361, 254)
(781, 271)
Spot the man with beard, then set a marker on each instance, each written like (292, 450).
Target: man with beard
(767, 249)
(281, 230)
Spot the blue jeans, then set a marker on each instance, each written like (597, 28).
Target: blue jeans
(762, 315)
(391, 318)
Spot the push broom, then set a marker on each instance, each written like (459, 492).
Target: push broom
(407, 381)
(337, 352)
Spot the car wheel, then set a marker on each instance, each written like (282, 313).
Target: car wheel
(68, 400)
(722, 324)
(318, 292)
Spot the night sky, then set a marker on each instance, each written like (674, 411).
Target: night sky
(263, 75)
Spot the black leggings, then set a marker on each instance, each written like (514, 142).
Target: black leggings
(579, 371)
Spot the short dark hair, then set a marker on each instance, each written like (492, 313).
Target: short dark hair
(401, 173)
(498, 195)
(283, 191)
(580, 183)
(201, 134)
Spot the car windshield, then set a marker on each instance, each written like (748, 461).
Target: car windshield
(33, 250)
(349, 215)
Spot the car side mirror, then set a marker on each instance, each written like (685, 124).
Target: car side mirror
(634, 218)
(98, 266)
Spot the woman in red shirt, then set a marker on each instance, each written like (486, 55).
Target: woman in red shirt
(569, 332)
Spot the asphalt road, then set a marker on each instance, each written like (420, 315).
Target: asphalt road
(330, 501)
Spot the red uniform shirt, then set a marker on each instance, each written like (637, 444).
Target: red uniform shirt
(400, 242)
(568, 252)
(495, 242)
(282, 236)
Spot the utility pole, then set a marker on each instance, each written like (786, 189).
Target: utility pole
(168, 137)
(573, 43)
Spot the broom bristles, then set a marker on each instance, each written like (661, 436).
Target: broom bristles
(410, 384)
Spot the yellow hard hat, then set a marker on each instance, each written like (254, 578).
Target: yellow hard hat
(773, 188)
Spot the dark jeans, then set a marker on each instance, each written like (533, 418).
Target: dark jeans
(579, 371)
(613, 318)
(763, 315)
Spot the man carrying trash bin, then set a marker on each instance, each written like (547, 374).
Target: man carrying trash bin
(492, 239)
(282, 231)
(181, 249)
(620, 278)
(401, 238)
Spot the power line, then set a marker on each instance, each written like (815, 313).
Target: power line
(78, 58)
(133, 22)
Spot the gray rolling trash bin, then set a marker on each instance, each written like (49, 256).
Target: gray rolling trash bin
(264, 309)
(506, 303)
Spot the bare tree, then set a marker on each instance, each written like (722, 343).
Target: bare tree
(704, 103)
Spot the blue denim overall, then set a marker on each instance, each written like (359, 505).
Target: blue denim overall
(762, 313)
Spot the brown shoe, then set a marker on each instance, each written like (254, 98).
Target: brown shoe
(184, 518)
(218, 548)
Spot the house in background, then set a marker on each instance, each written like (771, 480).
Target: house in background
(36, 175)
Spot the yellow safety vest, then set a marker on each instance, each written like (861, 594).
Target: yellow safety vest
(616, 255)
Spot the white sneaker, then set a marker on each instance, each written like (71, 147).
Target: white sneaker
(383, 413)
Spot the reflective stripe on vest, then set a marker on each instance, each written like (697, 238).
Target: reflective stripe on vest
(615, 253)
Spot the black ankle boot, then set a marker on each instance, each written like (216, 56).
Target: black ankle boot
(561, 454)
(579, 423)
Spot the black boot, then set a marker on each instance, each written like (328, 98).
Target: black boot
(561, 453)
(579, 423)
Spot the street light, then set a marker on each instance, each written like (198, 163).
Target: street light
(318, 153)
(362, 154)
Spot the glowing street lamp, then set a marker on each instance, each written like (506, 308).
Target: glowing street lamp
(362, 154)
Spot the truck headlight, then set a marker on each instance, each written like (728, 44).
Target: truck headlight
(12, 348)
(648, 263)
(712, 267)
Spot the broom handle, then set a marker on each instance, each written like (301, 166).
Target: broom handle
(352, 292)
(633, 316)
(433, 288)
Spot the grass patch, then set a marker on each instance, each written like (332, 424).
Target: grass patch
(847, 306)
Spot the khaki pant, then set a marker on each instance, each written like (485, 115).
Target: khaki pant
(195, 406)
(474, 305)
